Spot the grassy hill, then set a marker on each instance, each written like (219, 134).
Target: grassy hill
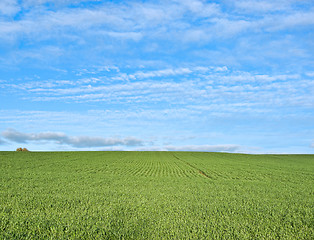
(155, 195)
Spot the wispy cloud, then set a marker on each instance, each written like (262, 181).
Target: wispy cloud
(135, 21)
(186, 66)
(2, 142)
(9, 7)
(197, 85)
(160, 73)
(194, 148)
(257, 6)
(75, 141)
(205, 148)
(290, 21)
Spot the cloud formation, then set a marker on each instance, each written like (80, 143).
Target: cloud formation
(9, 7)
(113, 143)
(155, 69)
(189, 85)
(2, 142)
(76, 141)
(205, 148)
(171, 19)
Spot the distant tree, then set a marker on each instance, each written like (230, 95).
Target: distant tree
(22, 150)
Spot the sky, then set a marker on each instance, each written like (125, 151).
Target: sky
(188, 75)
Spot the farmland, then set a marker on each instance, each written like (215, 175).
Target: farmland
(155, 195)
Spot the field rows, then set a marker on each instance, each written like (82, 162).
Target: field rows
(155, 195)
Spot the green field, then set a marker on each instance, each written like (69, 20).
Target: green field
(155, 195)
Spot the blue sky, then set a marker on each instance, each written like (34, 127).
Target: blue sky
(234, 76)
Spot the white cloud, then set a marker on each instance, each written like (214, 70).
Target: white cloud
(298, 19)
(200, 8)
(221, 69)
(2, 142)
(58, 3)
(136, 36)
(261, 6)
(150, 148)
(197, 35)
(205, 148)
(310, 74)
(76, 19)
(227, 28)
(61, 138)
(217, 86)
(193, 148)
(160, 73)
(173, 20)
(9, 7)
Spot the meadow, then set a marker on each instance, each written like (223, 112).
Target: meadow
(155, 195)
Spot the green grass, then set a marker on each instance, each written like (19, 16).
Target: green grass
(155, 195)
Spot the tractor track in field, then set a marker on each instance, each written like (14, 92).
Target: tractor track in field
(189, 164)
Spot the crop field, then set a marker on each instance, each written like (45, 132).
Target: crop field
(155, 195)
